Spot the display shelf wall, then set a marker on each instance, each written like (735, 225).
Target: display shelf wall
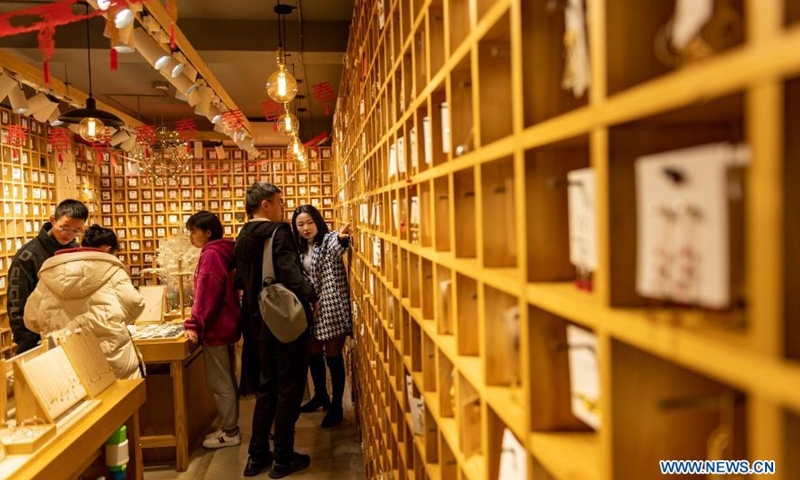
(453, 140)
(143, 211)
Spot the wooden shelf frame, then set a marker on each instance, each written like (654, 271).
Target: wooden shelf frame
(432, 44)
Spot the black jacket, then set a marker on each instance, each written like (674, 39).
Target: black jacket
(249, 251)
(23, 275)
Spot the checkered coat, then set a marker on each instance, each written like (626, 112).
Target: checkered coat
(329, 278)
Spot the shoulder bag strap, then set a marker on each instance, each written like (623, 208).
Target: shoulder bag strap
(267, 268)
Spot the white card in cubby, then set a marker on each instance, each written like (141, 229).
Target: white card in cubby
(396, 215)
(392, 160)
(445, 111)
(412, 144)
(376, 252)
(683, 243)
(513, 458)
(401, 155)
(427, 139)
(582, 219)
(584, 375)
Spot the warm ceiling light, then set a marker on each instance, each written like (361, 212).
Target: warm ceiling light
(281, 85)
(91, 129)
(287, 124)
(91, 121)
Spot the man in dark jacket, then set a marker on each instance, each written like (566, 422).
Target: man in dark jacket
(23, 275)
(283, 365)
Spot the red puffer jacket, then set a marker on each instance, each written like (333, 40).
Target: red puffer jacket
(216, 311)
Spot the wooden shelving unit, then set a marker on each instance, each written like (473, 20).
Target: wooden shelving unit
(142, 212)
(28, 186)
(452, 135)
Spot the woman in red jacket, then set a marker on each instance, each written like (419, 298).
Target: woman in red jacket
(216, 313)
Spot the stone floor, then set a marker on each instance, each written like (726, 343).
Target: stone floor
(335, 453)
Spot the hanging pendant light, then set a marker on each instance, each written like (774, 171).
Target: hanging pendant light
(91, 121)
(281, 85)
(287, 124)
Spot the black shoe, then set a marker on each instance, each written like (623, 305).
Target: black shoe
(295, 463)
(315, 404)
(255, 465)
(333, 417)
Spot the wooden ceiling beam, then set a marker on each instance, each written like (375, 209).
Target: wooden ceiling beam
(32, 75)
(159, 13)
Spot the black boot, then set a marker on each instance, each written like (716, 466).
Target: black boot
(335, 413)
(320, 399)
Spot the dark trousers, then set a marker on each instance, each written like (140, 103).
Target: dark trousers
(280, 393)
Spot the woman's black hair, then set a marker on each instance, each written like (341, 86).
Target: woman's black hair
(322, 227)
(97, 236)
(204, 220)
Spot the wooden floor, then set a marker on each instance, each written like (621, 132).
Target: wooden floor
(335, 453)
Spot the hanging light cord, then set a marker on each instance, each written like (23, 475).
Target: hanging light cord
(89, 50)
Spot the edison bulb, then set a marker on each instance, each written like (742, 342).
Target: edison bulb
(281, 85)
(287, 124)
(91, 129)
(295, 149)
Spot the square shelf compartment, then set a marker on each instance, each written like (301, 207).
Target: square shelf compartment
(716, 121)
(688, 413)
(494, 80)
(639, 40)
(546, 171)
(499, 214)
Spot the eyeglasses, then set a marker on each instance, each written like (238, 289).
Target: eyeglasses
(65, 230)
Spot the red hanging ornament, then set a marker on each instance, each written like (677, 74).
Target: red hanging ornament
(172, 10)
(233, 119)
(60, 141)
(323, 93)
(47, 46)
(16, 137)
(113, 60)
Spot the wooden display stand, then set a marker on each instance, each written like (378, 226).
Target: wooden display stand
(167, 420)
(453, 140)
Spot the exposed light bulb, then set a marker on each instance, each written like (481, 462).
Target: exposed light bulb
(287, 124)
(91, 129)
(162, 61)
(281, 85)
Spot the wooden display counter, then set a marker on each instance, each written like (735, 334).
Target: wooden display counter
(71, 451)
(174, 373)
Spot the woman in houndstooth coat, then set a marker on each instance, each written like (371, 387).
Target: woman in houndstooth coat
(321, 254)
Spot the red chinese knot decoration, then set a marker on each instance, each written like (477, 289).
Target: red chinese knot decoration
(323, 93)
(43, 19)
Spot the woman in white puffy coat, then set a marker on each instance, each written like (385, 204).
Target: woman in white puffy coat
(92, 285)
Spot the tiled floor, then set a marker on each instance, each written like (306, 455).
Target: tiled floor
(335, 452)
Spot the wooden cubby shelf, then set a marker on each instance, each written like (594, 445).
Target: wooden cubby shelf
(455, 142)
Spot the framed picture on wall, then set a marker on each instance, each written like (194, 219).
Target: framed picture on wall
(147, 194)
(147, 208)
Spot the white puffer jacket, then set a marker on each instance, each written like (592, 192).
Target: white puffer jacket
(89, 285)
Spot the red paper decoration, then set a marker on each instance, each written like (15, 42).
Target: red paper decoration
(233, 119)
(44, 19)
(272, 110)
(17, 135)
(186, 129)
(323, 93)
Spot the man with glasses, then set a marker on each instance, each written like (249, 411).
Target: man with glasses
(23, 275)
(283, 365)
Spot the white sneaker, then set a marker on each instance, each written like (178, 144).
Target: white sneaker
(214, 433)
(222, 439)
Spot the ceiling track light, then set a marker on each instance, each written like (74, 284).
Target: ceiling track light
(19, 102)
(148, 48)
